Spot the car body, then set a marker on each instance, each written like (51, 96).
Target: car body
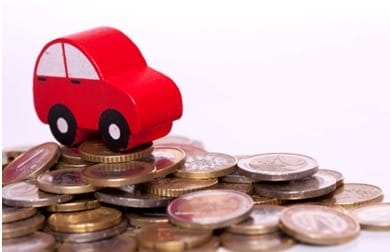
(98, 81)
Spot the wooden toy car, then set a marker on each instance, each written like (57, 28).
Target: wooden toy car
(98, 81)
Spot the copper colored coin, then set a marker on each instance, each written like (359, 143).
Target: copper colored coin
(23, 227)
(11, 214)
(267, 242)
(36, 242)
(355, 194)
(318, 225)
(210, 209)
(31, 163)
(277, 166)
(373, 216)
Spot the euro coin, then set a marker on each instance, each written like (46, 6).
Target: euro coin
(23, 227)
(373, 216)
(27, 194)
(310, 187)
(85, 221)
(96, 151)
(173, 187)
(67, 181)
(37, 241)
(336, 174)
(267, 242)
(166, 237)
(245, 188)
(71, 155)
(118, 174)
(237, 177)
(260, 200)
(263, 219)
(146, 218)
(31, 163)
(207, 165)
(210, 209)
(74, 206)
(11, 214)
(355, 194)
(277, 166)
(318, 225)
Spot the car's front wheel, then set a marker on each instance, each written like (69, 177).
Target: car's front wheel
(62, 124)
(114, 130)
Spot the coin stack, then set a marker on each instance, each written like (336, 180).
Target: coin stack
(173, 195)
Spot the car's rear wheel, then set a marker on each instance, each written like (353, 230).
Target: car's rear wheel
(114, 130)
(62, 124)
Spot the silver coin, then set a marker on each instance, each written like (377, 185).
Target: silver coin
(124, 242)
(90, 236)
(238, 178)
(36, 242)
(27, 194)
(337, 175)
(134, 197)
(277, 166)
(310, 187)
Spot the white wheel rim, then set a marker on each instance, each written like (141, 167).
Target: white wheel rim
(62, 125)
(114, 131)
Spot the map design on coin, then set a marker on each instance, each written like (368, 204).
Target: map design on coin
(279, 163)
(207, 161)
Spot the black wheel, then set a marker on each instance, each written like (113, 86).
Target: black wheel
(114, 130)
(62, 124)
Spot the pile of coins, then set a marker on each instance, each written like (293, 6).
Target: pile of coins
(173, 195)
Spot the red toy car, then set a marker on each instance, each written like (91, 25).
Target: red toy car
(98, 80)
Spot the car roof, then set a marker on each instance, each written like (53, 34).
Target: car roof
(108, 49)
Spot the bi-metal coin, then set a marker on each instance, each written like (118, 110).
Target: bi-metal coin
(132, 197)
(96, 151)
(120, 243)
(277, 166)
(318, 225)
(11, 214)
(337, 175)
(31, 163)
(310, 187)
(27, 194)
(23, 227)
(166, 237)
(355, 194)
(374, 216)
(263, 219)
(207, 165)
(274, 241)
(85, 221)
(237, 177)
(38, 241)
(174, 187)
(210, 209)
(166, 159)
(118, 174)
(67, 181)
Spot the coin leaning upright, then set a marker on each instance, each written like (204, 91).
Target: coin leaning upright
(318, 224)
(277, 166)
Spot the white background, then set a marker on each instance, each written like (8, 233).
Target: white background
(309, 77)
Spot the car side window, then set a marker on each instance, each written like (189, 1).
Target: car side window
(78, 64)
(51, 62)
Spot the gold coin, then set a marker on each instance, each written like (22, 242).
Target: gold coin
(67, 181)
(73, 206)
(71, 155)
(277, 166)
(211, 246)
(355, 194)
(23, 227)
(263, 219)
(61, 165)
(118, 174)
(245, 188)
(96, 151)
(260, 200)
(210, 209)
(267, 242)
(85, 221)
(31, 163)
(337, 175)
(145, 218)
(166, 237)
(11, 214)
(38, 241)
(374, 216)
(310, 187)
(207, 165)
(318, 225)
(166, 159)
(173, 187)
